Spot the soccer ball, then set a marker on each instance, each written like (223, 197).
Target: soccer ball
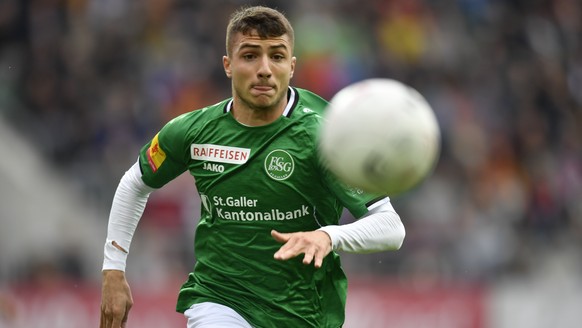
(379, 135)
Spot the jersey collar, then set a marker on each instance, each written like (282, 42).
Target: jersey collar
(292, 98)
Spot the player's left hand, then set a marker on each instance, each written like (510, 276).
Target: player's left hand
(314, 244)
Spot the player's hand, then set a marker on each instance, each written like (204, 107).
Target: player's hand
(314, 244)
(116, 299)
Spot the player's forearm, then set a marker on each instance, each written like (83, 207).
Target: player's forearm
(128, 205)
(380, 230)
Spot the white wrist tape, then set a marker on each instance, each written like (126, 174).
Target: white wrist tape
(379, 230)
(128, 205)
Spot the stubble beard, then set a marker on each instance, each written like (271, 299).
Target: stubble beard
(258, 105)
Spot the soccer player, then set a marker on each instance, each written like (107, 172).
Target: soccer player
(269, 224)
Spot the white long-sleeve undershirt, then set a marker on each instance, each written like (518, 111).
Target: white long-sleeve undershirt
(128, 205)
(379, 230)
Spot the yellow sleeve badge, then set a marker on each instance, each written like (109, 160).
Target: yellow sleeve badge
(156, 156)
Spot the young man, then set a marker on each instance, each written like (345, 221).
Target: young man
(269, 220)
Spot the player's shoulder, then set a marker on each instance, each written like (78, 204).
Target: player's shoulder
(307, 113)
(199, 116)
(310, 100)
(309, 107)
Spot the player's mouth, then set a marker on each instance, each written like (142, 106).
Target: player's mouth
(260, 88)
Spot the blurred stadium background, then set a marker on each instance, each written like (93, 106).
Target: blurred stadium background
(494, 237)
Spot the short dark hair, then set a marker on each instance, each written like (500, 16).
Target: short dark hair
(267, 22)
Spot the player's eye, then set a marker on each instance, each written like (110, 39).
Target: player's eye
(278, 57)
(249, 56)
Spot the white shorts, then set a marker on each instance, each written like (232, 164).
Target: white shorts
(213, 315)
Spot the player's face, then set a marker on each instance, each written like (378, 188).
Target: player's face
(260, 70)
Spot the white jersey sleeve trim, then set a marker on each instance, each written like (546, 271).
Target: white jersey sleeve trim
(128, 205)
(379, 230)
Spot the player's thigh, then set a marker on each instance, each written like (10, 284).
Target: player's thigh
(213, 315)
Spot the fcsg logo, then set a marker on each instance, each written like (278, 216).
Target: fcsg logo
(279, 164)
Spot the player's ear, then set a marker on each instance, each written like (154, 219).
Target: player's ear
(226, 65)
(293, 61)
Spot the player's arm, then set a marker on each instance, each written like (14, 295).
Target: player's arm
(160, 161)
(379, 230)
(128, 205)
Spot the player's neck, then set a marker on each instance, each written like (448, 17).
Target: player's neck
(249, 116)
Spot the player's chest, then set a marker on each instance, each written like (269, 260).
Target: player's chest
(285, 157)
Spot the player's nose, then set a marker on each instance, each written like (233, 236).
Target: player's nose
(264, 69)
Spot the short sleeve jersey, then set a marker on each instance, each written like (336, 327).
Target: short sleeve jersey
(252, 180)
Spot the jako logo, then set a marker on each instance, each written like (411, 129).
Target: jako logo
(279, 164)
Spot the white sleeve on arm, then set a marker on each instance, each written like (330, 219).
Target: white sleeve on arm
(379, 230)
(128, 205)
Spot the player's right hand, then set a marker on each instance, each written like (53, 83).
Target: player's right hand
(116, 299)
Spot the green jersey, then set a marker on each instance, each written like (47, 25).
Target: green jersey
(252, 180)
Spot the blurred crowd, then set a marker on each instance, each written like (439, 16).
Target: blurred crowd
(88, 82)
